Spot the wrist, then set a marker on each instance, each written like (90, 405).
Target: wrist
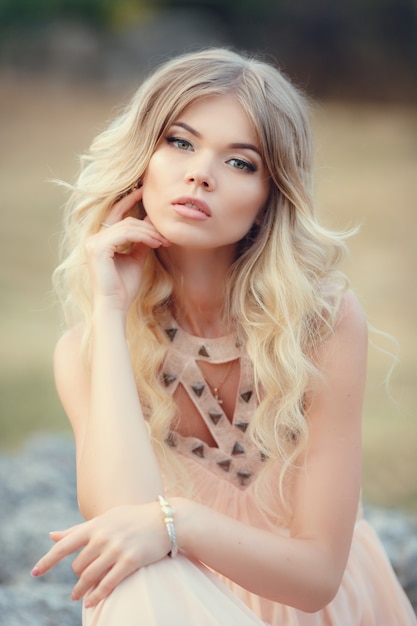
(105, 312)
(167, 513)
(186, 523)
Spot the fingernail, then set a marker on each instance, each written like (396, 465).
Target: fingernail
(88, 604)
(35, 571)
(74, 596)
(55, 532)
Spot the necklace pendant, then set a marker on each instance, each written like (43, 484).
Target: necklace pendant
(216, 395)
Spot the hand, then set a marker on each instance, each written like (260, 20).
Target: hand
(114, 545)
(116, 275)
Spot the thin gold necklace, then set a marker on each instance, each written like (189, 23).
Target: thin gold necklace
(216, 388)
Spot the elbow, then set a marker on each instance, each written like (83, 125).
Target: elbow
(311, 595)
(318, 603)
(317, 597)
(90, 509)
(90, 506)
(319, 582)
(313, 588)
(85, 509)
(85, 514)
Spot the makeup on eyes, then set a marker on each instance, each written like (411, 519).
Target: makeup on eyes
(176, 140)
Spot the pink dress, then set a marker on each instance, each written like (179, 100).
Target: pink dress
(180, 592)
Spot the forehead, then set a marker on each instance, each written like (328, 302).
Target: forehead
(222, 114)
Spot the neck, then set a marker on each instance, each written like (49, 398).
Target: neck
(199, 289)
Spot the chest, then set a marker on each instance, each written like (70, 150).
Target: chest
(212, 384)
(220, 384)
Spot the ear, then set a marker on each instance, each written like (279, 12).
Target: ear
(136, 185)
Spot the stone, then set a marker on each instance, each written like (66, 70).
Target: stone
(38, 494)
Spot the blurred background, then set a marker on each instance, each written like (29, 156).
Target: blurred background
(66, 65)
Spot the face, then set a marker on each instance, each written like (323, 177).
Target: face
(206, 182)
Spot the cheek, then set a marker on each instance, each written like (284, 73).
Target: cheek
(252, 204)
(153, 170)
(156, 178)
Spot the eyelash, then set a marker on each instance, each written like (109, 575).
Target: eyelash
(247, 166)
(177, 140)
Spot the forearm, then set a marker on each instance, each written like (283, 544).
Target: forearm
(117, 464)
(299, 572)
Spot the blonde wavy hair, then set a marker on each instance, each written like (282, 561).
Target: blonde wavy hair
(284, 288)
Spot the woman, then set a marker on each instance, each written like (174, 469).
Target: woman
(214, 368)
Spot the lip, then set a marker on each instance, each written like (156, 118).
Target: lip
(193, 206)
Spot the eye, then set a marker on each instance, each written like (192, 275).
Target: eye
(240, 164)
(180, 144)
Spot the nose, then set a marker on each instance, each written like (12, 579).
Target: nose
(200, 174)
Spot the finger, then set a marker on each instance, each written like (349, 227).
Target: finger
(153, 234)
(149, 238)
(146, 223)
(86, 556)
(121, 570)
(57, 535)
(92, 575)
(165, 242)
(146, 226)
(132, 230)
(65, 546)
(121, 207)
(122, 240)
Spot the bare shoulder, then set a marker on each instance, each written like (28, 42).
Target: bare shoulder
(343, 354)
(351, 320)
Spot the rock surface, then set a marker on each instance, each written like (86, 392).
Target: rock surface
(37, 495)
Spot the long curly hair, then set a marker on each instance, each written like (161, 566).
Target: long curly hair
(284, 288)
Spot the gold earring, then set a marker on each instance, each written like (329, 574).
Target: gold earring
(137, 185)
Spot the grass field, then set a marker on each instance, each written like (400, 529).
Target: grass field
(366, 174)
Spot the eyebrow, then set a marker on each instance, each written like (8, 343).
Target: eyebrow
(235, 145)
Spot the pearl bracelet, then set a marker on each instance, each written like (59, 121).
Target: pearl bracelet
(168, 517)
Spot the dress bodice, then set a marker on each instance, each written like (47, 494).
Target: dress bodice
(234, 456)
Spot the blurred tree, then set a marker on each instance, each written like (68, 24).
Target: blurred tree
(32, 12)
(359, 44)
(102, 13)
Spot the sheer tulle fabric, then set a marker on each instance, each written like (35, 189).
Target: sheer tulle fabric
(172, 592)
(180, 592)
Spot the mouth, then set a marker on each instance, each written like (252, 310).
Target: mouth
(195, 204)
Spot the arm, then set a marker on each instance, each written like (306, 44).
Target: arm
(115, 460)
(106, 416)
(305, 569)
